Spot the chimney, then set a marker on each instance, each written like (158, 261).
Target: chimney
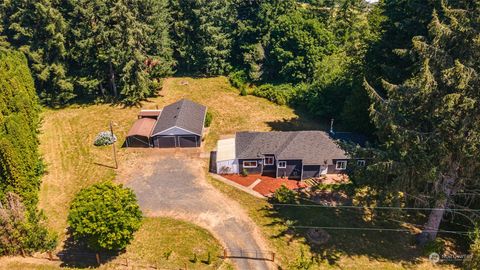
(332, 132)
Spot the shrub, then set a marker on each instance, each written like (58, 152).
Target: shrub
(243, 91)
(283, 94)
(284, 195)
(474, 261)
(238, 78)
(208, 119)
(194, 259)
(22, 230)
(105, 216)
(105, 138)
(244, 173)
(167, 255)
(209, 258)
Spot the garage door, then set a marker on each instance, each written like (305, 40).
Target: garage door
(165, 142)
(187, 141)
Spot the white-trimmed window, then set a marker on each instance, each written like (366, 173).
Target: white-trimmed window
(269, 160)
(250, 164)
(282, 164)
(341, 165)
(361, 162)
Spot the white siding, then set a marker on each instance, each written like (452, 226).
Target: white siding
(174, 131)
(227, 167)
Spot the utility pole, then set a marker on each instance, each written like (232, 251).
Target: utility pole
(113, 144)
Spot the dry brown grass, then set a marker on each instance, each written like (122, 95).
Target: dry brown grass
(73, 162)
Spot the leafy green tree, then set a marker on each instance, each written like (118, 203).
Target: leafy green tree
(38, 29)
(297, 46)
(430, 124)
(105, 216)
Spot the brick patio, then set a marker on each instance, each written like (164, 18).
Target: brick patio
(266, 186)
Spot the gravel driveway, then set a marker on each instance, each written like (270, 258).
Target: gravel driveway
(173, 184)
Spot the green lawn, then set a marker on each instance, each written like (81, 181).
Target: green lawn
(345, 250)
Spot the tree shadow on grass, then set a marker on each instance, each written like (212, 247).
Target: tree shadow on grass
(395, 246)
(75, 254)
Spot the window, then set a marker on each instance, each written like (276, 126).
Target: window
(341, 165)
(269, 161)
(250, 164)
(361, 162)
(282, 164)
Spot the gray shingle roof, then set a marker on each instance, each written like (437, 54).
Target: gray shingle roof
(184, 114)
(313, 147)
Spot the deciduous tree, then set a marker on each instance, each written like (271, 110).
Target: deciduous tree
(105, 216)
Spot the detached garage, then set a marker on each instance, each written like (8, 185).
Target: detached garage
(179, 125)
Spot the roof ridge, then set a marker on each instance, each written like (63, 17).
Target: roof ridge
(179, 110)
(289, 140)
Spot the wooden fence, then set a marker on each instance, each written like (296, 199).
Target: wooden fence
(249, 254)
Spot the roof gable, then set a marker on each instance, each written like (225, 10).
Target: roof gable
(183, 114)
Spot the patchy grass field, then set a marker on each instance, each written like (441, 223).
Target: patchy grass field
(156, 238)
(73, 162)
(346, 250)
(159, 236)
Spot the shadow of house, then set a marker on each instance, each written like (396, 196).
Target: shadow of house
(77, 255)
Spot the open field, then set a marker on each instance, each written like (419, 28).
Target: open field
(345, 250)
(156, 238)
(73, 162)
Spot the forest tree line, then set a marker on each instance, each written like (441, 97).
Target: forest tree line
(120, 50)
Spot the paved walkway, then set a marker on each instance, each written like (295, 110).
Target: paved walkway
(175, 185)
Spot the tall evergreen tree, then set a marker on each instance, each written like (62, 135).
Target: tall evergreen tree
(38, 29)
(252, 27)
(117, 43)
(20, 165)
(201, 30)
(388, 58)
(430, 124)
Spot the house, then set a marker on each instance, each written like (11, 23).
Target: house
(295, 155)
(180, 124)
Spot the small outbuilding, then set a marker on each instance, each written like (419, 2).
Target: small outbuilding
(180, 124)
(139, 134)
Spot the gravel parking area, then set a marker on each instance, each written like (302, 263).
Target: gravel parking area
(172, 183)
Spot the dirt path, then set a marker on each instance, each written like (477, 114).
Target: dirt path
(172, 183)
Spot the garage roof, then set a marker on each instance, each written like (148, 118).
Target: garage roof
(149, 113)
(142, 127)
(183, 114)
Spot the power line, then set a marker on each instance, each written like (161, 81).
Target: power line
(374, 208)
(375, 229)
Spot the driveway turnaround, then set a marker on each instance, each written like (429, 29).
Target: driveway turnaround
(172, 183)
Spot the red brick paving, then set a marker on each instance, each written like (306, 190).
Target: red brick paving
(267, 186)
